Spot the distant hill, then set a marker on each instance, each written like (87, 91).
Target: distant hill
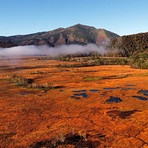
(77, 34)
(81, 34)
(6, 44)
(127, 45)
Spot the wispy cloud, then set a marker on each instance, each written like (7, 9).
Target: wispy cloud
(52, 51)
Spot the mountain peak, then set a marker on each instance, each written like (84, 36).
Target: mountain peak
(77, 34)
(82, 26)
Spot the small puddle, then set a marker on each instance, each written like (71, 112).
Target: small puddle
(140, 98)
(129, 88)
(83, 91)
(130, 85)
(94, 90)
(111, 88)
(114, 99)
(144, 92)
(78, 96)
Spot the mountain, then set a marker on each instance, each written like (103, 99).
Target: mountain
(6, 44)
(77, 34)
(129, 44)
(81, 34)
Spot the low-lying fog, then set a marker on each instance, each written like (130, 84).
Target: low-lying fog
(52, 51)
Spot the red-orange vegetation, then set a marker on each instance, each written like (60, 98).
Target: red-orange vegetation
(31, 117)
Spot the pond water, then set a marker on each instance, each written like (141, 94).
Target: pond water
(79, 91)
(111, 88)
(77, 96)
(114, 99)
(130, 85)
(140, 98)
(129, 88)
(94, 90)
(144, 92)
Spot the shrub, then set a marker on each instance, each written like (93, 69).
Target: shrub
(139, 60)
(25, 82)
(21, 81)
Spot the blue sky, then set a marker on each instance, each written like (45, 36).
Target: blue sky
(30, 16)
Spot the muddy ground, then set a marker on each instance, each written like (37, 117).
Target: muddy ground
(98, 106)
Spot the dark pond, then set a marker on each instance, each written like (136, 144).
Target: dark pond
(144, 92)
(129, 88)
(79, 91)
(114, 99)
(130, 85)
(111, 88)
(94, 90)
(77, 96)
(140, 98)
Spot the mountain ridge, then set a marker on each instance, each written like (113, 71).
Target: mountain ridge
(81, 34)
(77, 34)
(129, 44)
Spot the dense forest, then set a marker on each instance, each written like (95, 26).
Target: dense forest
(130, 44)
(6, 44)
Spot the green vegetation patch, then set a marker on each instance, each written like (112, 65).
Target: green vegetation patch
(106, 77)
(29, 83)
(139, 60)
(136, 60)
(20, 81)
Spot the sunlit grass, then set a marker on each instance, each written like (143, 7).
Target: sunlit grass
(106, 77)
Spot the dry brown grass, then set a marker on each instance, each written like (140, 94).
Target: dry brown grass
(32, 116)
